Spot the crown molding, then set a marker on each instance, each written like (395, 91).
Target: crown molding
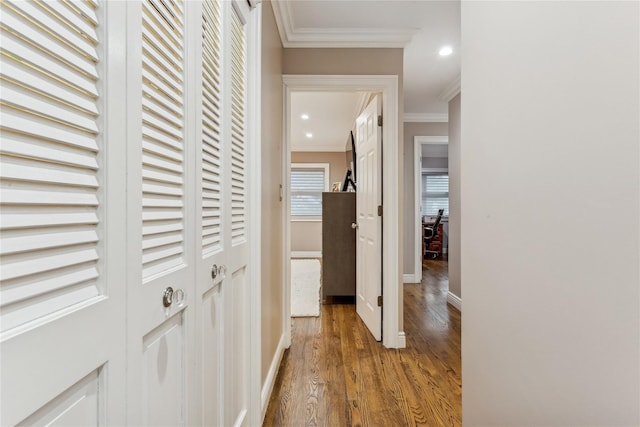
(293, 37)
(426, 118)
(451, 91)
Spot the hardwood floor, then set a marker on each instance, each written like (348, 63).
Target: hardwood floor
(335, 374)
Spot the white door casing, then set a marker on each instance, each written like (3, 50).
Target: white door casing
(369, 223)
(418, 141)
(62, 290)
(393, 335)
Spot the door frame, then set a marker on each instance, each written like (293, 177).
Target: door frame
(392, 334)
(418, 142)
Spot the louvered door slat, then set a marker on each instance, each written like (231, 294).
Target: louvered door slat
(25, 218)
(167, 153)
(21, 146)
(50, 167)
(211, 131)
(38, 40)
(85, 9)
(36, 104)
(238, 143)
(163, 137)
(22, 123)
(49, 64)
(43, 21)
(18, 171)
(45, 87)
(70, 19)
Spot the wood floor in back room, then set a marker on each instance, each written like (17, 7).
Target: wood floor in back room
(336, 375)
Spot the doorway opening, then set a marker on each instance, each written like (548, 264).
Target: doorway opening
(392, 333)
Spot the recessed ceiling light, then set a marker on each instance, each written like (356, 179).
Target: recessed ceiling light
(309, 135)
(304, 117)
(446, 51)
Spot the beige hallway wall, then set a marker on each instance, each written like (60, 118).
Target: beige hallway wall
(272, 232)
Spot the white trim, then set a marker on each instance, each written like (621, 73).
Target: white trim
(254, 203)
(348, 37)
(283, 14)
(361, 104)
(319, 148)
(425, 118)
(451, 90)
(306, 254)
(431, 139)
(411, 278)
(417, 198)
(455, 301)
(392, 275)
(292, 36)
(270, 379)
(306, 219)
(402, 340)
(434, 170)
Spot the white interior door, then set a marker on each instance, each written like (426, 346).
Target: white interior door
(222, 250)
(62, 283)
(160, 229)
(369, 236)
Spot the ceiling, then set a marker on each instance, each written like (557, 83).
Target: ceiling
(331, 117)
(420, 27)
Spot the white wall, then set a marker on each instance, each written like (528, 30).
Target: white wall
(549, 152)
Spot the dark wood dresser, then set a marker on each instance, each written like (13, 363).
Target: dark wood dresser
(338, 245)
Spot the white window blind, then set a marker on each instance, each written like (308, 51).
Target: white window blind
(307, 185)
(435, 193)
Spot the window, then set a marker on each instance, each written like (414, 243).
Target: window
(308, 181)
(435, 193)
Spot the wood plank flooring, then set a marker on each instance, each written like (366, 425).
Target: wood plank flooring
(335, 374)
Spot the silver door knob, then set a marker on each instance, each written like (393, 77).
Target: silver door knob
(354, 225)
(215, 270)
(167, 297)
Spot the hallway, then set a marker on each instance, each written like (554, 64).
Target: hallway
(335, 374)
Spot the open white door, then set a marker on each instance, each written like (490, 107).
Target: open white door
(369, 220)
(222, 249)
(62, 277)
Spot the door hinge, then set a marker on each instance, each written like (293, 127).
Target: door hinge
(380, 120)
(379, 210)
(380, 301)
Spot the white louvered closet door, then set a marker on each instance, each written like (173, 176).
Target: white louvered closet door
(61, 291)
(222, 249)
(160, 211)
(235, 289)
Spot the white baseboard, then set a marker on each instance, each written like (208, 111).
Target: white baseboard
(402, 340)
(455, 301)
(306, 254)
(270, 380)
(410, 278)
